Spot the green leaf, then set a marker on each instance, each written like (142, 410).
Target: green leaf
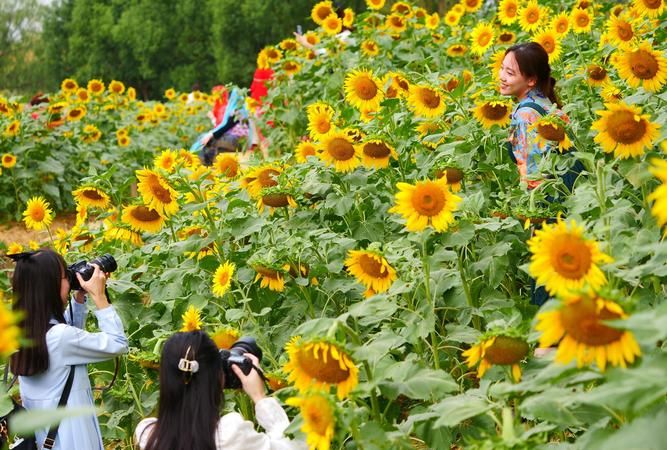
(27, 422)
(454, 410)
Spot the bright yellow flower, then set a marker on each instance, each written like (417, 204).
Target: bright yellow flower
(481, 38)
(659, 195)
(426, 203)
(493, 112)
(370, 269)
(337, 149)
(12, 129)
(563, 260)
(320, 364)
(222, 279)
(318, 417)
(96, 87)
(304, 150)
(375, 153)
(9, 331)
(497, 350)
(89, 196)
(141, 218)
(644, 67)
(362, 90)
(166, 161)
(191, 319)
(531, 16)
(8, 160)
(37, 215)
(581, 20)
(508, 11)
(225, 337)
(69, 86)
(375, 4)
(156, 192)
(321, 11)
(624, 130)
(426, 101)
(578, 324)
(268, 277)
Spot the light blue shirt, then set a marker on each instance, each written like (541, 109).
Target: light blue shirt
(70, 345)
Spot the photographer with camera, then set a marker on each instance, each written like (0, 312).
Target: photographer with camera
(51, 368)
(193, 374)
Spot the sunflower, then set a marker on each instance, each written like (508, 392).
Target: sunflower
(427, 128)
(620, 32)
(275, 199)
(472, 5)
(9, 331)
(191, 319)
(91, 197)
(8, 160)
(375, 4)
(659, 196)
(143, 218)
(332, 24)
(375, 153)
(426, 101)
(482, 38)
(91, 134)
(113, 233)
(396, 23)
(457, 50)
(650, 8)
(37, 215)
(131, 93)
(222, 279)
(83, 95)
(551, 129)
(371, 269)
(304, 150)
(269, 277)
(362, 90)
(291, 68)
(438, 38)
(318, 416)
(321, 11)
(225, 337)
(76, 114)
(123, 141)
(320, 119)
(578, 324)
(508, 11)
(432, 21)
(596, 75)
(348, 17)
(69, 86)
(166, 161)
(563, 259)
(560, 24)
(610, 92)
(506, 37)
(498, 350)
(288, 44)
(96, 87)
(396, 85)
(12, 129)
(320, 364)
(550, 43)
(156, 192)
(426, 203)
(531, 16)
(170, 94)
(339, 150)
(116, 87)
(13, 248)
(624, 130)
(370, 48)
(581, 20)
(226, 165)
(492, 112)
(643, 66)
(259, 178)
(452, 18)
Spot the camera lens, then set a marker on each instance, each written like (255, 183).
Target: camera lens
(106, 262)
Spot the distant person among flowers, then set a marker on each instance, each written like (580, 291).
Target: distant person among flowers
(525, 74)
(191, 397)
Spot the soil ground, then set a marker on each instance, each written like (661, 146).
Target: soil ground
(17, 232)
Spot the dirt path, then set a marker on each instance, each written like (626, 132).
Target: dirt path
(17, 232)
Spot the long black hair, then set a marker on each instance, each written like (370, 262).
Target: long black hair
(189, 405)
(36, 285)
(533, 61)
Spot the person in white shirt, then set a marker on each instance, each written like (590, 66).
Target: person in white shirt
(191, 396)
(41, 285)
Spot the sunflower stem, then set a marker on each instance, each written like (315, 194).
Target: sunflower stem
(431, 302)
(466, 289)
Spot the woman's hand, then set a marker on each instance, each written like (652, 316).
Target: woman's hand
(301, 39)
(95, 287)
(206, 139)
(252, 383)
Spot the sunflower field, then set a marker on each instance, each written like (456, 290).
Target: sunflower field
(384, 255)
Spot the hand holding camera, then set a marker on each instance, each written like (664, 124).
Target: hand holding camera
(241, 368)
(91, 277)
(252, 383)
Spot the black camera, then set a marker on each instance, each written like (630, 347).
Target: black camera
(235, 356)
(106, 262)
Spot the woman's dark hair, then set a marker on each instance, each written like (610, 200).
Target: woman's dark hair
(533, 61)
(189, 405)
(36, 285)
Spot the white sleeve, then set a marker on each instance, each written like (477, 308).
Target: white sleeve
(81, 347)
(237, 433)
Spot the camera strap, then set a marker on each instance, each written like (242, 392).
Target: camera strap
(50, 440)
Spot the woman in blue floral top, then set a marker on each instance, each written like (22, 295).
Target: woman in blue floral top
(526, 75)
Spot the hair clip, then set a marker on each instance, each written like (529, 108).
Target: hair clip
(16, 257)
(188, 366)
(185, 365)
